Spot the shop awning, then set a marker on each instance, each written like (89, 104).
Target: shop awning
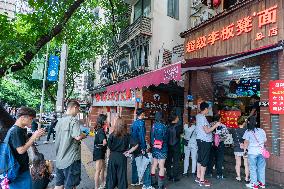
(208, 62)
(156, 77)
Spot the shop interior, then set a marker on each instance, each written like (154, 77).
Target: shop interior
(234, 85)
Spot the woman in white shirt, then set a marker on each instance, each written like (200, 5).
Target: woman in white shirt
(190, 147)
(255, 139)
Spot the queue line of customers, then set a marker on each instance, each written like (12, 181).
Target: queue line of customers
(199, 143)
(164, 143)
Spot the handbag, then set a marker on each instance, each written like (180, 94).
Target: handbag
(157, 143)
(216, 140)
(184, 141)
(265, 153)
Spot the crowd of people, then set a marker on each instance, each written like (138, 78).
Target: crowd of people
(152, 161)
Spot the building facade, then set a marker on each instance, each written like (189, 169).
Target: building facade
(234, 55)
(149, 43)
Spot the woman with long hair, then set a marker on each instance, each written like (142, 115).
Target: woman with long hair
(118, 143)
(255, 139)
(40, 171)
(159, 145)
(100, 147)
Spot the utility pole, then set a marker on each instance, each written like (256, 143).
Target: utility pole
(43, 86)
(62, 81)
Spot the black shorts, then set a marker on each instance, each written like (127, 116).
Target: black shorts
(203, 152)
(69, 177)
(99, 154)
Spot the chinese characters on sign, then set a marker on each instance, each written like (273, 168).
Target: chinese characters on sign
(230, 118)
(127, 95)
(244, 25)
(276, 97)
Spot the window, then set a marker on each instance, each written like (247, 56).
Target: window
(137, 10)
(173, 9)
(142, 7)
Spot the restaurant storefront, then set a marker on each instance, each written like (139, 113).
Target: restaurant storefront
(233, 56)
(154, 91)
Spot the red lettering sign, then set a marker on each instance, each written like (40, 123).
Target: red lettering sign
(230, 118)
(213, 37)
(190, 47)
(227, 32)
(267, 16)
(201, 42)
(276, 97)
(242, 26)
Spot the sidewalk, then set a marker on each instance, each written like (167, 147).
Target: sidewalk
(88, 170)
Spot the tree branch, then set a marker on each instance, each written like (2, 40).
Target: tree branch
(113, 17)
(43, 40)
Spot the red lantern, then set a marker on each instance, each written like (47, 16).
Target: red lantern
(216, 3)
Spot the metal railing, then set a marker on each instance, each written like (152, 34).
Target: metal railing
(141, 26)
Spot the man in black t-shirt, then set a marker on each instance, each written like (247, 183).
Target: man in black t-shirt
(20, 144)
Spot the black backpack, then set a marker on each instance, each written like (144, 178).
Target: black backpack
(172, 135)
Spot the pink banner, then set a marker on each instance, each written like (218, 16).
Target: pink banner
(156, 77)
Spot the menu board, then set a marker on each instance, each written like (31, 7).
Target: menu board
(248, 87)
(276, 97)
(230, 118)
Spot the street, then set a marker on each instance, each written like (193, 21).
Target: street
(88, 171)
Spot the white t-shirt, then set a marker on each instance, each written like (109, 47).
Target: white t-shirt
(187, 133)
(201, 121)
(254, 147)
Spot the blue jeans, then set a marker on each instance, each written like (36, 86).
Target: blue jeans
(257, 168)
(146, 176)
(24, 180)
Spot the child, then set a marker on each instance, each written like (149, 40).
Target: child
(218, 148)
(190, 147)
(239, 148)
(41, 172)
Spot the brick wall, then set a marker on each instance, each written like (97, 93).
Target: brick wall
(275, 164)
(94, 113)
(200, 85)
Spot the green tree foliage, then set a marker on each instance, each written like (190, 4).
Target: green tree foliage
(73, 22)
(18, 94)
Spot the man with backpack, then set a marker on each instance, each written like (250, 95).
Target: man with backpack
(19, 144)
(174, 131)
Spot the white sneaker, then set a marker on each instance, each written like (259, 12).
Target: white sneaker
(250, 185)
(135, 184)
(150, 187)
(45, 142)
(53, 141)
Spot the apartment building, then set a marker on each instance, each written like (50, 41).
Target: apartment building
(11, 7)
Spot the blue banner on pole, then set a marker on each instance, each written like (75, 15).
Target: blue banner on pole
(53, 66)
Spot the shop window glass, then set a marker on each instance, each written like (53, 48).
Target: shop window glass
(173, 9)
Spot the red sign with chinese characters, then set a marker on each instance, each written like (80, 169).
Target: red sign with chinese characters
(276, 97)
(240, 27)
(230, 118)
